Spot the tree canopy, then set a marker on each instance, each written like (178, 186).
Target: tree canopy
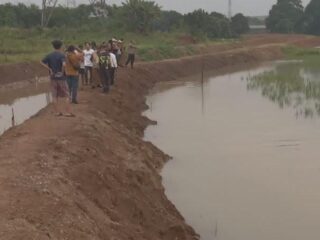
(285, 16)
(240, 24)
(140, 16)
(211, 25)
(311, 18)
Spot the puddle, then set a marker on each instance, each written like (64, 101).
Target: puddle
(17, 106)
(245, 155)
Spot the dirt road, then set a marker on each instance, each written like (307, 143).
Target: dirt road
(93, 177)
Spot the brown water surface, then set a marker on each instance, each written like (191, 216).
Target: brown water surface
(18, 105)
(245, 151)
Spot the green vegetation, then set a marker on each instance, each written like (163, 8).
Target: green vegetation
(308, 55)
(289, 16)
(258, 21)
(285, 16)
(21, 45)
(292, 84)
(312, 17)
(158, 34)
(139, 16)
(240, 24)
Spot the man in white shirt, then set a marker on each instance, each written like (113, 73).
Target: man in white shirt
(113, 67)
(88, 64)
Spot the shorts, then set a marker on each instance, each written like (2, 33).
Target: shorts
(59, 89)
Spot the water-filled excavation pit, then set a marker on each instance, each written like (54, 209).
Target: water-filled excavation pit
(245, 148)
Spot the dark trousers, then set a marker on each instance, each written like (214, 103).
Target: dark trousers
(87, 71)
(131, 59)
(105, 79)
(112, 72)
(73, 84)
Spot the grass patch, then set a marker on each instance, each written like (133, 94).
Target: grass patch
(23, 45)
(292, 52)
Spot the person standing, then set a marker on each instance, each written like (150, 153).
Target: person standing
(96, 80)
(73, 62)
(113, 67)
(55, 64)
(104, 63)
(82, 68)
(122, 47)
(88, 64)
(131, 54)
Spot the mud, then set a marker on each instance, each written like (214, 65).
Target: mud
(93, 177)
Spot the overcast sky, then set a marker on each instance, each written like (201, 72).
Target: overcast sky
(248, 7)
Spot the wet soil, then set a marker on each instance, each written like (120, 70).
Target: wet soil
(92, 176)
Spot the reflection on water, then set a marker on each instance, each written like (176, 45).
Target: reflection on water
(244, 169)
(294, 85)
(16, 106)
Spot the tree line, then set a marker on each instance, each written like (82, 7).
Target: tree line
(289, 16)
(133, 15)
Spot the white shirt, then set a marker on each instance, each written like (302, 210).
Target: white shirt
(113, 61)
(87, 57)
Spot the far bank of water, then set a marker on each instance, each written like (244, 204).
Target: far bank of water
(245, 150)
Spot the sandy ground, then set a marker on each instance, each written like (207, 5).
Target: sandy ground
(92, 176)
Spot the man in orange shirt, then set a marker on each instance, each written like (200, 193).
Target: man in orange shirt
(73, 61)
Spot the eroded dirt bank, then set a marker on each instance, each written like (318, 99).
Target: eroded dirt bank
(93, 177)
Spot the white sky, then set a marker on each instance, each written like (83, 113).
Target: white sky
(248, 7)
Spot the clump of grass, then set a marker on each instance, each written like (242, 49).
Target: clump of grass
(293, 84)
(293, 52)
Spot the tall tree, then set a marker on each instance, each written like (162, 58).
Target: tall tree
(285, 16)
(213, 25)
(48, 7)
(311, 19)
(168, 21)
(139, 14)
(240, 24)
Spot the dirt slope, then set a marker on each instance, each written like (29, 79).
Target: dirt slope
(93, 177)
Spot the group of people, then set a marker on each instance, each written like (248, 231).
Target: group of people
(91, 65)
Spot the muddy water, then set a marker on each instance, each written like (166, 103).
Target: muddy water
(245, 150)
(18, 105)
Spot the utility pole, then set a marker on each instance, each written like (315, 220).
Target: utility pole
(230, 9)
(48, 7)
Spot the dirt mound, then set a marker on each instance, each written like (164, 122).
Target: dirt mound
(14, 72)
(186, 40)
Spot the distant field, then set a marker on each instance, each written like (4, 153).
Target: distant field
(24, 45)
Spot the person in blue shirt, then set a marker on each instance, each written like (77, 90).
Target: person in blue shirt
(55, 64)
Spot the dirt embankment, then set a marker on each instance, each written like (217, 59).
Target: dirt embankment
(11, 73)
(93, 177)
